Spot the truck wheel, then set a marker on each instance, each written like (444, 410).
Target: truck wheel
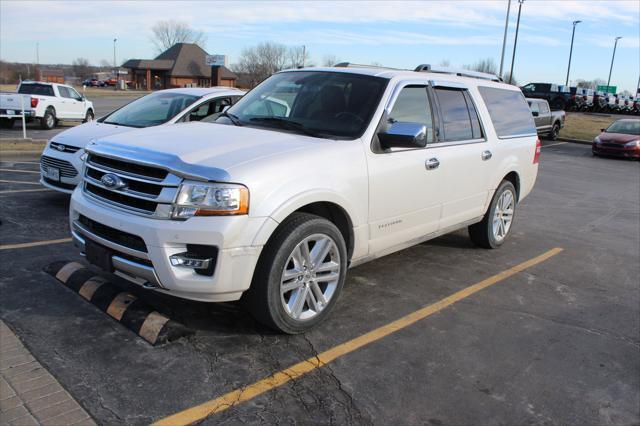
(492, 231)
(89, 116)
(299, 276)
(6, 123)
(555, 130)
(48, 121)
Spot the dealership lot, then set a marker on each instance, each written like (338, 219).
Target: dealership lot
(553, 343)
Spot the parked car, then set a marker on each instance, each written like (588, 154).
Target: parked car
(557, 97)
(636, 105)
(548, 123)
(12, 106)
(61, 160)
(271, 205)
(582, 98)
(93, 82)
(620, 139)
(599, 101)
(49, 103)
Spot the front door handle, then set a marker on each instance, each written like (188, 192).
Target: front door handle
(486, 155)
(432, 163)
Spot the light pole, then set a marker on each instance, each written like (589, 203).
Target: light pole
(504, 39)
(515, 42)
(571, 50)
(115, 70)
(612, 58)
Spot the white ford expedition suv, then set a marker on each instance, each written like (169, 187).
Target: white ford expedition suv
(313, 171)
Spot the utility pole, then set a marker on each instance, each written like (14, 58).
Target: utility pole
(515, 42)
(504, 39)
(612, 58)
(304, 55)
(571, 50)
(115, 70)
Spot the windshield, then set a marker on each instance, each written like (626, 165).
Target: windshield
(627, 127)
(322, 104)
(151, 110)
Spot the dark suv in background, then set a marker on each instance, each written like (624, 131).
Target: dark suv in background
(559, 97)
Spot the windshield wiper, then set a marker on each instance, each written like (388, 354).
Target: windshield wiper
(288, 125)
(232, 117)
(121, 124)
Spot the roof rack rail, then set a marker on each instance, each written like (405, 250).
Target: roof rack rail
(458, 72)
(352, 65)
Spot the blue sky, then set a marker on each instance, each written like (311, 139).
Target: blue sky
(393, 33)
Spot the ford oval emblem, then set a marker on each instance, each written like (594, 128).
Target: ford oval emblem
(112, 181)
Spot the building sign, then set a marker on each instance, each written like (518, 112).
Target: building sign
(216, 60)
(607, 89)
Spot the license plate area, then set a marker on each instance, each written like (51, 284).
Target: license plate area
(51, 173)
(98, 255)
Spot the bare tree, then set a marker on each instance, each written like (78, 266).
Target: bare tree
(505, 78)
(298, 56)
(445, 63)
(260, 61)
(105, 64)
(330, 60)
(82, 68)
(168, 33)
(591, 84)
(484, 65)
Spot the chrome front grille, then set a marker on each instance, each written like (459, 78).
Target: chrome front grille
(63, 148)
(66, 168)
(139, 189)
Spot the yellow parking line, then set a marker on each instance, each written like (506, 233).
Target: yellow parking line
(224, 402)
(11, 191)
(20, 171)
(34, 244)
(19, 181)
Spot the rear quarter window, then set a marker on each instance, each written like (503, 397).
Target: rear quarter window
(36, 89)
(509, 112)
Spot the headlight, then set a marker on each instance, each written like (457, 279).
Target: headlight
(597, 139)
(210, 199)
(633, 144)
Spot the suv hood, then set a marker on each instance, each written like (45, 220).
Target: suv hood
(200, 150)
(81, 135)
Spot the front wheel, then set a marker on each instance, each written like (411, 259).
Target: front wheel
(299, 276)
(492, 231)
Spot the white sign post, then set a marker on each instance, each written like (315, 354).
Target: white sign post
(216, 60)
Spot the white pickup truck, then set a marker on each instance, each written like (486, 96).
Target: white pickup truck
(271, 205)
(46, 102)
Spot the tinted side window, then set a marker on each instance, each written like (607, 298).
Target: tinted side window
(509, 112)
(456, 121)
(412, 106)
(64, 92)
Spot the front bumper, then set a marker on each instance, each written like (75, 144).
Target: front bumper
(615, 151)
(233, 236)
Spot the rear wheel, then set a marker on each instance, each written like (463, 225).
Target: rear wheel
(555, 130)
(492, 231)
(299, 276)
(48, 121)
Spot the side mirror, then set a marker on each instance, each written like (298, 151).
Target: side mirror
(602, 130)
(535, 113)
(404, 135)
(226, 107)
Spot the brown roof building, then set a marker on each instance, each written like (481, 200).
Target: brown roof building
(181, 65)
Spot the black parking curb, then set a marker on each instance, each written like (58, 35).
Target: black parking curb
(120, 305)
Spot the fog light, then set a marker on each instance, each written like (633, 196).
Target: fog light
(190, 260)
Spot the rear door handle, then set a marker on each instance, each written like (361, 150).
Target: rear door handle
(432, 164)
(486, 155)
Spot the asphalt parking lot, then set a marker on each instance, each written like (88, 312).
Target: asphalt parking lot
(103, 105)
(556, 341)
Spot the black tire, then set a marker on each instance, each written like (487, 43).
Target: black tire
(481, 233)
(555, 130)
(89, 116)
(263, 299)
(6, 123)
(48, 121)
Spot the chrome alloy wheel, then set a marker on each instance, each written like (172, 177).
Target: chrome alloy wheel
(51, 121)
(310, 277)
(503, 215)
